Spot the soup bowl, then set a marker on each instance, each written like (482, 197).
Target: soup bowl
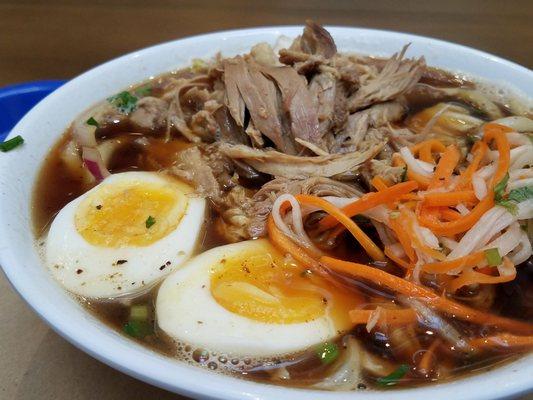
(42, 126)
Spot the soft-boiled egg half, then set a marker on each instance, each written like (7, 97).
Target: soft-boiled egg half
(247, 299)
(124, 235)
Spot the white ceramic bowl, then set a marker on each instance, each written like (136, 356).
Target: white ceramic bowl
(43, 125)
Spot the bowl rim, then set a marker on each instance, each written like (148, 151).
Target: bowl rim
(186, 379)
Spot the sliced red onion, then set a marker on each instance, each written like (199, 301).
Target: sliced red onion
(93, 162)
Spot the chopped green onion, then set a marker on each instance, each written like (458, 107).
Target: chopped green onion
(12, 143)
(509, 205)
(149, 222)
(92, 121)
(143, 91)
(394, 377)
(327, 352)
(124, 101)
(493, 257)
(137, 329)
(521, 194)
(139, 312)
(499, 189)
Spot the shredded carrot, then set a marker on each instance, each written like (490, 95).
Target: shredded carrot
(498, 133)
(471, 277)
(428, 147)
(287, 246)
(379, 183)
(440, 199)
(505, 340)
(443, 304)
(387, 316)
(478, 150)
(398, 226)
(370, 247)
(416, 241)
(427, 360)
(443, 267)
(445, 167)
(409, 197)
(460, 225)
(395, 259)
(370, 200)
(449, 215)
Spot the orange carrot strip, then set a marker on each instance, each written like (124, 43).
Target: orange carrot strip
(502, 340)
(498, 133)
(390, 317)
(478, 150)
(379, 183)
(429, 146)
(447, 163)
(370, 247)
(460, 225)
(370, 200)
(450, 198)
(407, 288)
(409, 196)
(286, 245)
(470, 277)
(428, 358)
(417, 242)
(398, 226)
(449, 214)
(395, 259)
(443, 267)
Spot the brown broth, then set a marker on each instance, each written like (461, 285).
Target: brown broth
(56, 186)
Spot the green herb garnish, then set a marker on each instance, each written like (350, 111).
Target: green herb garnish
(92, 121)
(521, 194)
(139, 312)
(150, 221)
(137, 329)
(499, 189)
(403, 177)
(327, 352)
(394, 377)
(493, 257)
(143, 91)
(500, 198)
(515, 196)
(124, 101)
(10, 144)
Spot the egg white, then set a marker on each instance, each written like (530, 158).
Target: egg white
(187, 312)
(93, 272)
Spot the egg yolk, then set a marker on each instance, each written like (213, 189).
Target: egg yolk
(131, 213)
(266, 286)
